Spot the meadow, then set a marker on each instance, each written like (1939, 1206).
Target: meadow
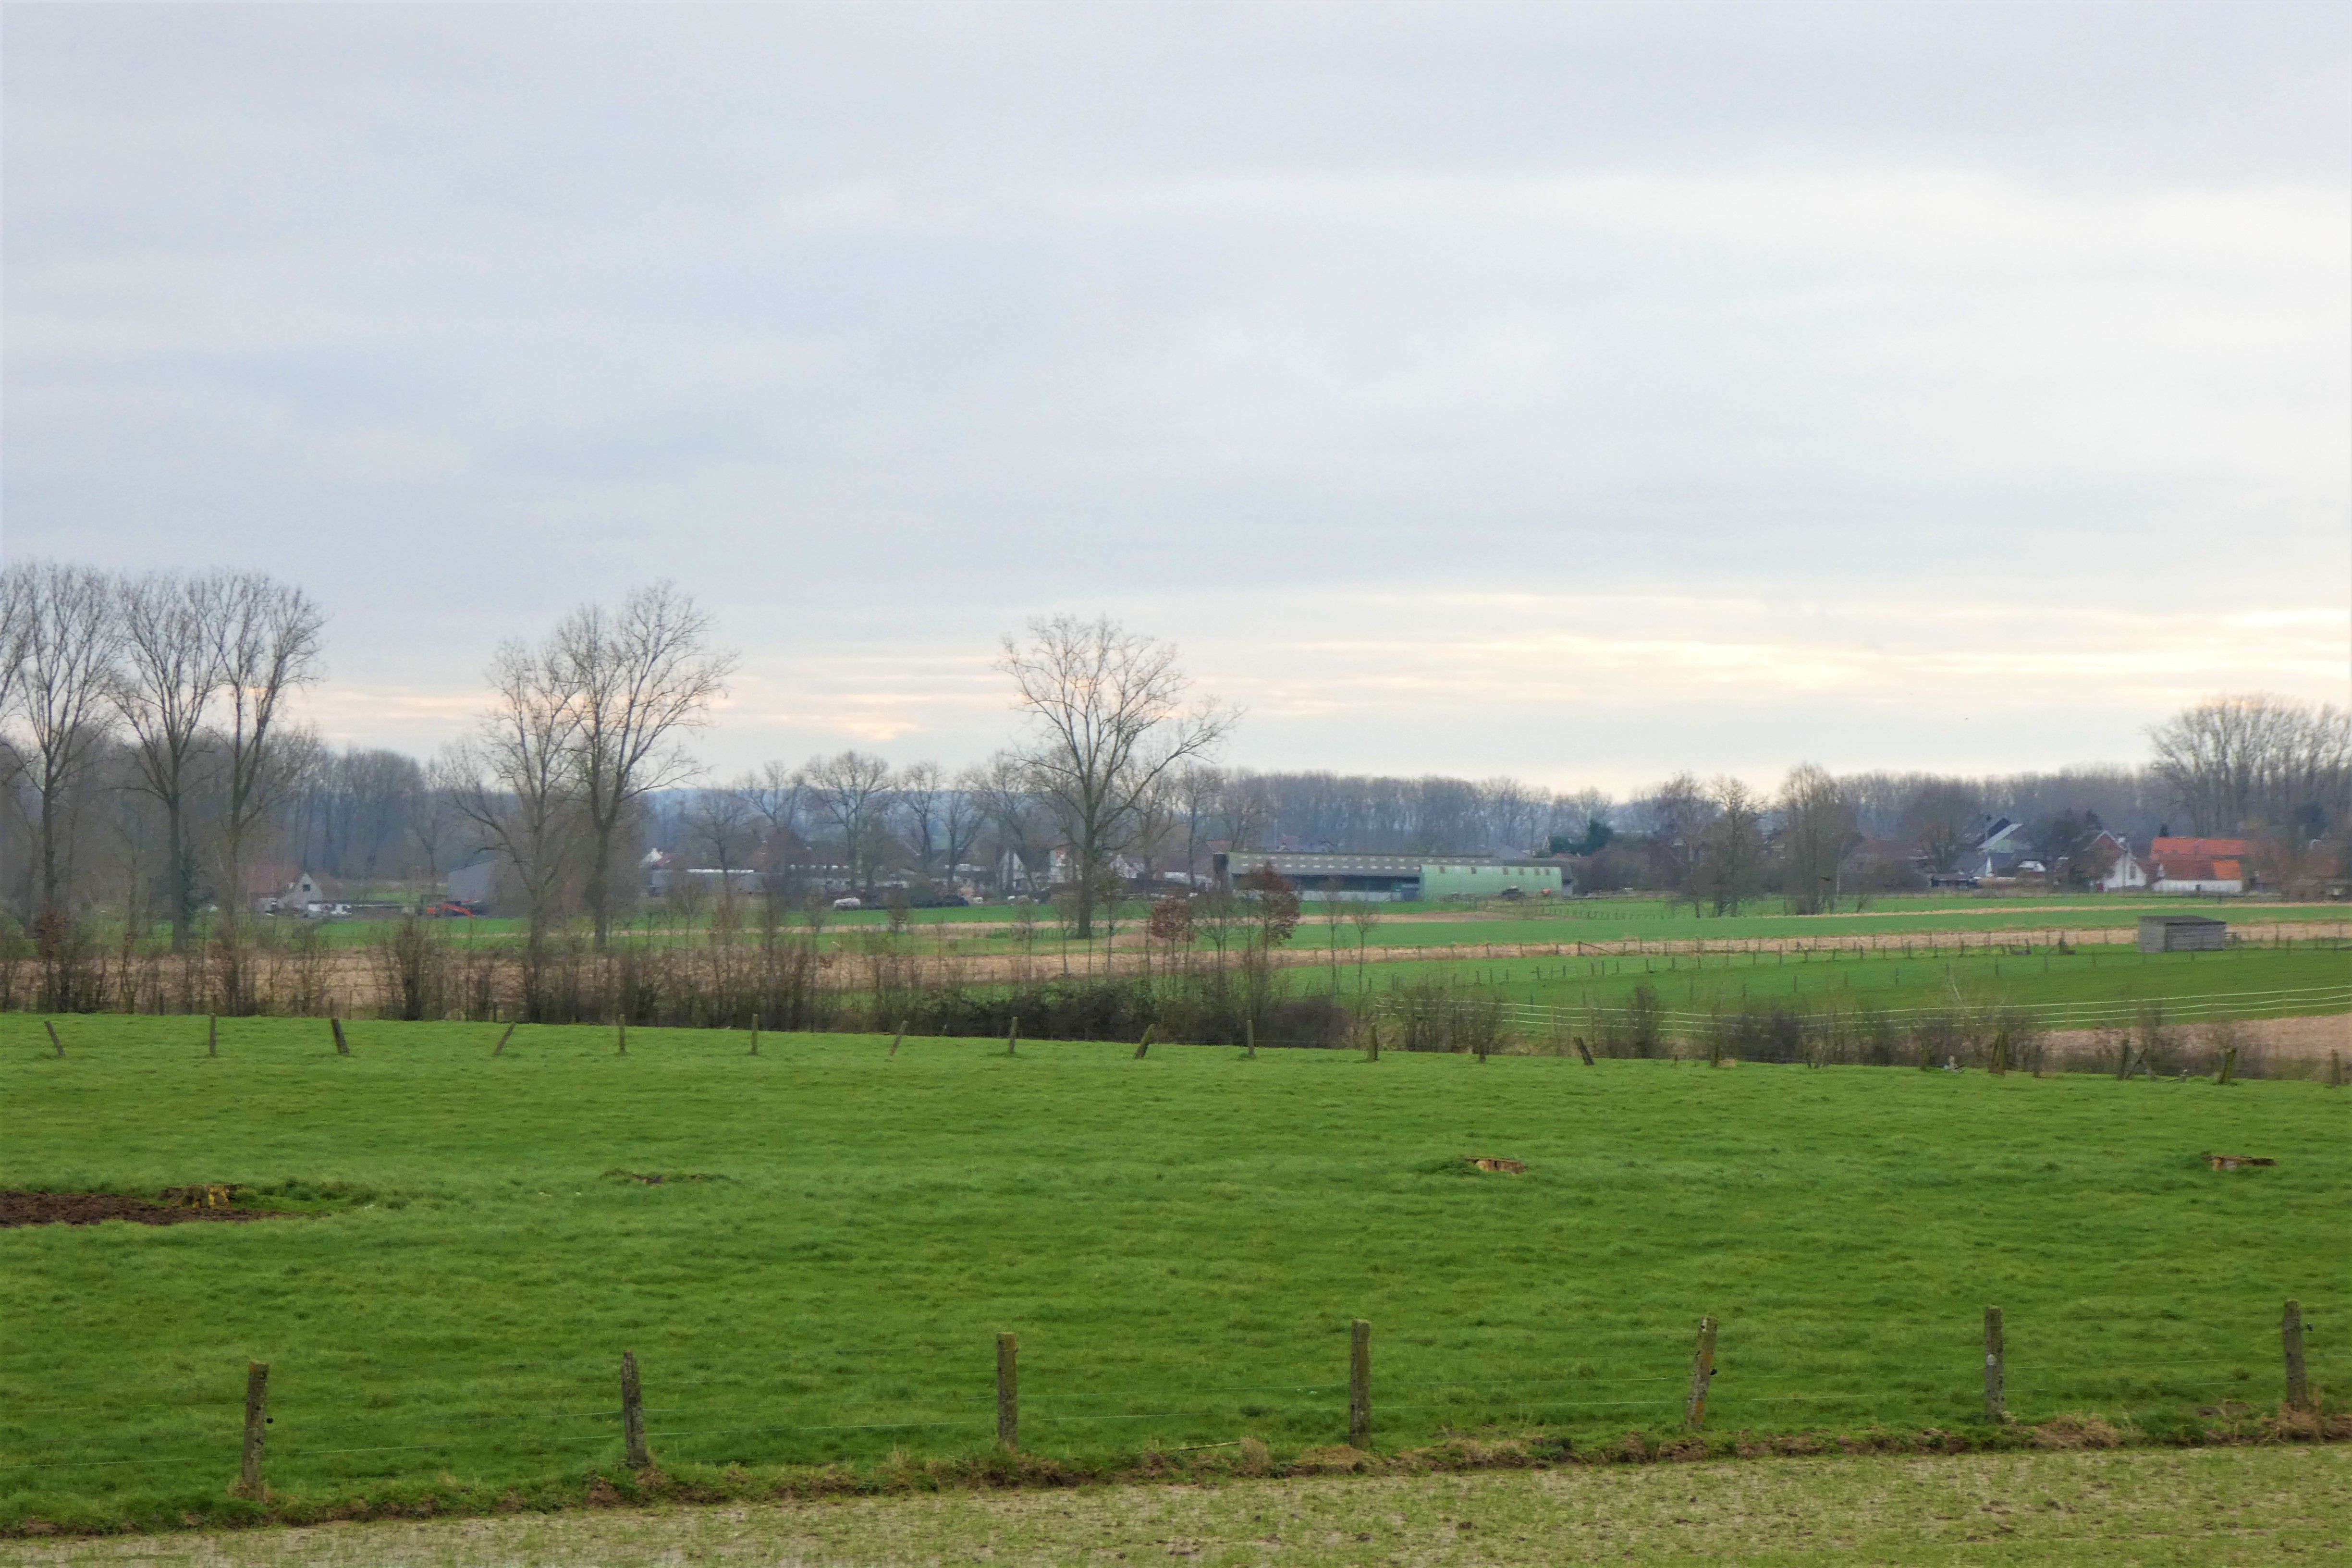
(991, 927)
(2211, 1508)
(1179, 1242)
(2093, 981)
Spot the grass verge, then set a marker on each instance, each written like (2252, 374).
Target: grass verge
(2212, 1507)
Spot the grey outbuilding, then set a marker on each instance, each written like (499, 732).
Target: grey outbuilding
(2182, 933)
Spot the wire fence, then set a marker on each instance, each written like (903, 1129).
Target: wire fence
(338, 1428)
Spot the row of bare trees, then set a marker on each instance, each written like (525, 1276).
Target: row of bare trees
(581, 728)
(1087, 792)
(175, 688)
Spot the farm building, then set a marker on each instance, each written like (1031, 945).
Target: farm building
(477, 881)
(2195, 874)
(2182, 933)
(1383, 879)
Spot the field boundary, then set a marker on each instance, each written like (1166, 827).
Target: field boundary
(618, 1486)
(2301, 1413)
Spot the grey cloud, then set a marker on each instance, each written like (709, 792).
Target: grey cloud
(881, 328)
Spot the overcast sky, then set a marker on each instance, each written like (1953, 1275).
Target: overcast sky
(1581, 393)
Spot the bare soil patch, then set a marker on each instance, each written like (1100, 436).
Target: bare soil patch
(2305, 1038)
(19, 1209)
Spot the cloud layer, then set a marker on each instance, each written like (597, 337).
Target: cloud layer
(1575, 392)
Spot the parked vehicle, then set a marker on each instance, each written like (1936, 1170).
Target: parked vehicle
(449, 909)
(849, 903)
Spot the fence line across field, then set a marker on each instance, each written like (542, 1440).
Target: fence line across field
(2060, 1015)
(627, 1421)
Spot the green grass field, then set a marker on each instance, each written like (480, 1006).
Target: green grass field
(993, 928)
(1179, 1242)
(2044, 981)
(2210, 1508)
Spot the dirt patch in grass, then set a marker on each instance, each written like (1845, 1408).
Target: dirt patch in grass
(19, 1209)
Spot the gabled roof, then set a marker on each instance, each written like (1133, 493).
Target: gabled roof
(2198, 869)
(2204, 848)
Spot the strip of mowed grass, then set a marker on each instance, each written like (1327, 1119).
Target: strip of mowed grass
(1888, 981)
(1180, 1242)
(2210, 1508)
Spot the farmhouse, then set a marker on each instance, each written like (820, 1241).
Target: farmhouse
(1383, 879)
(2195, 874)
(304, 892)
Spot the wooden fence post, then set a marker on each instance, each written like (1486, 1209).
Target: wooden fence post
(1375, 1054)
(55, 1044)
(1144, 1044)
(1008, 1394)
(1013, 1038)
(755, 1034)
(1360, 1382)
(2228, 1063)
(2298, 1391)
(1996, 1370)
(1249, 1037)
(335, 1021)
(1585, 1051)
(633, 1415)
(257, 1417)
(1702, 1373)
(212, 1035)
(500, 1048)
(899, 1037)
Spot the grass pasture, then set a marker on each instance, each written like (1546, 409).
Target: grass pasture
(2210, 1508)
(2093, 981)
(1179, 1242)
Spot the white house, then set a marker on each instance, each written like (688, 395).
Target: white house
(2125, 871)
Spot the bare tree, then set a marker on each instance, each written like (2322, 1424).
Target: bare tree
(1817, 831)
(921, 786)
(778, 796)
(65, 676)
(172, 648)
(1731, 861)
(851, 790)
(638, 679)
(2235, 761)
(1199, 788)
(431, 819)
(1108, 716)
(962, 818)
(268, 647)
(1000, 787)
(513, 778)
(722, 825)
(1677, 813)
(16, 600)
(1364, 915)
(1514, 813)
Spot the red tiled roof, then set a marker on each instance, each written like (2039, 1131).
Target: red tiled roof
(2197, 868)
(2202, 848)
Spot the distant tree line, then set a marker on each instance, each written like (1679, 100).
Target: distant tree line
(154, 770)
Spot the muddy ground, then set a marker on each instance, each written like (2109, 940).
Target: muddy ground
(91, 1208)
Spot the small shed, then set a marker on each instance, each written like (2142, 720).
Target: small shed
(2182, 933)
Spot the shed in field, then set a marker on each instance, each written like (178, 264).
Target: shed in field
(2182, 933)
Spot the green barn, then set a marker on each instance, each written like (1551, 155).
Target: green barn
(1383, 879)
